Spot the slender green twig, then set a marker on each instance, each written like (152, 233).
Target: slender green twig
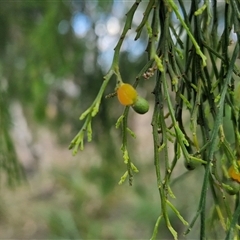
(212, 147)
(155, 231)
(233, 223)
(145, 18)
(78, 140)
(127, 27)
(184, 83)
(130, 167)
(198, 50)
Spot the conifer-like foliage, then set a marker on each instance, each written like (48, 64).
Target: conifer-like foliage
(192, 60)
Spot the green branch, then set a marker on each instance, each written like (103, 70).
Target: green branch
(198, 50)
(78, 141)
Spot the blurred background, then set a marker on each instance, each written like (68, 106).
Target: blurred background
(53, 56)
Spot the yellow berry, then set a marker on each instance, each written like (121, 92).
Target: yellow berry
(234, 174)
(127, 94)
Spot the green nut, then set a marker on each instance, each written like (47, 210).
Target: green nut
(141, 105)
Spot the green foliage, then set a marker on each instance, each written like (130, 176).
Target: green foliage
(195, 69)
(190, 66)
(8, 159)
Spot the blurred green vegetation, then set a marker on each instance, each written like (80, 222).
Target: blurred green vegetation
(49, 74)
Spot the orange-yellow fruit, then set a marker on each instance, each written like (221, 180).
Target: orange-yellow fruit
(233, 173)
(127, 94)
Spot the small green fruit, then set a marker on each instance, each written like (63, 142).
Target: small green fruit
(141, 105)
(232, 187)
(191, 165)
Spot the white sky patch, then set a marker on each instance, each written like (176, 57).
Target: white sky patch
(81, 24)
(106, 43)
(118, 9)
(135, 49)
(138, 16)
(105, 60)
(100, 29)
(233, 36)
(113, 26)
